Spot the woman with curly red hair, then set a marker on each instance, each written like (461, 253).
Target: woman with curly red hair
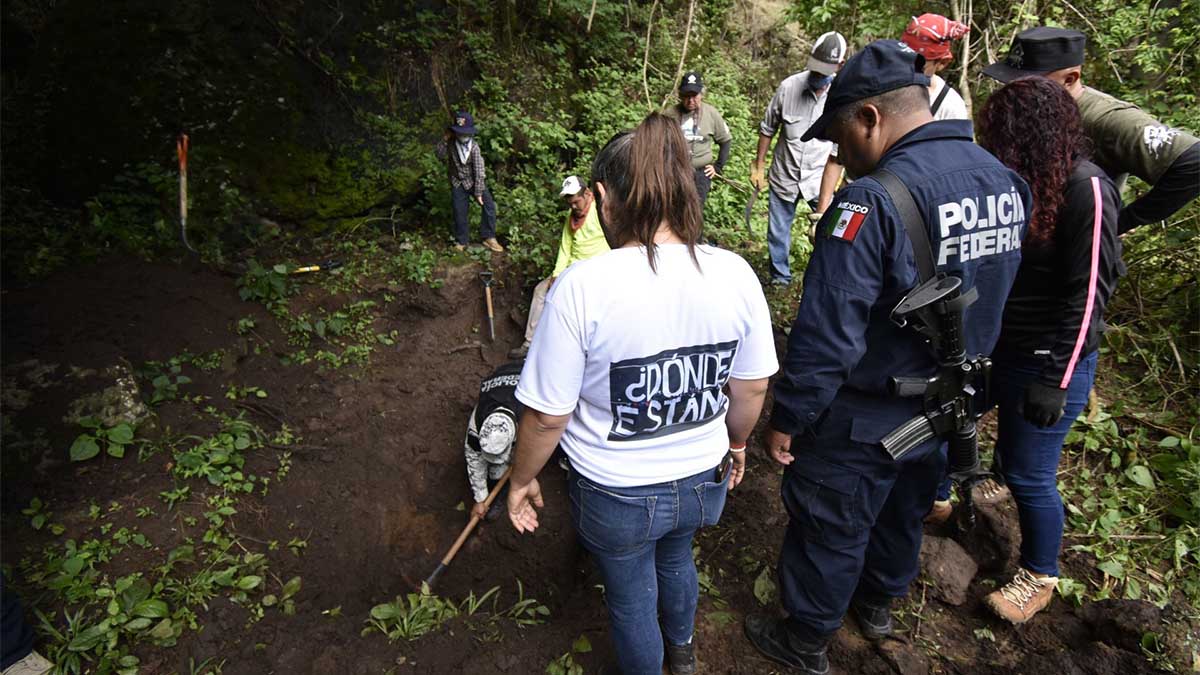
(1045, 360)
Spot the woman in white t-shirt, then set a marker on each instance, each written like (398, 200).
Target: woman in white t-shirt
(650, 366)
(930, 35)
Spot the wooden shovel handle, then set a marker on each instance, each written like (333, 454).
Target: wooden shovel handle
(475, 519)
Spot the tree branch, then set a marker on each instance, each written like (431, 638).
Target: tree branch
(682, 53)
(646, 56)
(964, 84)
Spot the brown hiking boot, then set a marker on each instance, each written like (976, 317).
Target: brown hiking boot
(988, 491)
(940, 512)
(1022, 597)
(494, 245)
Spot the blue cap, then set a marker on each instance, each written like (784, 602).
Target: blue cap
(880, 67)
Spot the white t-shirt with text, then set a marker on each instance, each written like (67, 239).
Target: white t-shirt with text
(639, 359)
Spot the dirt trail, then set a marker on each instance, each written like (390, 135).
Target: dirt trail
(376, 481)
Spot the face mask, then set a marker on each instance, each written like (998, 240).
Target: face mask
(818, 84)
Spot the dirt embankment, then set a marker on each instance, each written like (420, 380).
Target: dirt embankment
(378, 474)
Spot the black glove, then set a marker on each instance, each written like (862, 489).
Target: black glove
(1042, 405)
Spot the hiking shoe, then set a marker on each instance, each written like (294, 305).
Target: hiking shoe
(940, 513)
(460, 247)
(990, 491)
(874, 620)
(519, 352)
(33, 664)
(771, 638)
(494, 245)
(1022, 597)
(682, 658)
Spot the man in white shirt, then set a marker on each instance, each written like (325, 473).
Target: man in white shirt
(797, 167)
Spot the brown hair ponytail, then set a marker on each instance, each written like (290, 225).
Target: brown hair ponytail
(648, 177)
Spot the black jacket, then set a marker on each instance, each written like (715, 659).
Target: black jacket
(498, 392)
(1056, 308)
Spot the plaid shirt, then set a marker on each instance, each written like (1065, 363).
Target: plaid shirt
(469, 175)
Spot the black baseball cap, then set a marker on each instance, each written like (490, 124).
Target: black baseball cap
(1038, 51)
(880, 67)
(691, 83)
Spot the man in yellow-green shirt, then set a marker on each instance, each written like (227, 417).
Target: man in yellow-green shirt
(582, 238)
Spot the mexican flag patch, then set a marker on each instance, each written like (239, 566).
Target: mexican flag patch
(847, 220)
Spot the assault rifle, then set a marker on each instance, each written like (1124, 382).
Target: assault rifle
(955, 397)
(952, 405)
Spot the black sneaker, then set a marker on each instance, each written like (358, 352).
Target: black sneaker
(772, 639)
(496, 509)
(682, 658)
(874, 620)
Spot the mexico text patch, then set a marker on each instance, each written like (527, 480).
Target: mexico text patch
(847, 220)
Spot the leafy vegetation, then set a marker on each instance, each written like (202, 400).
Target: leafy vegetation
(95, 611)
(565, 664)
(413, 615)
(270, 286)
(114, 439)
(1136, 513)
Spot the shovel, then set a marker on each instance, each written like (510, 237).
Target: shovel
(462, 538)
(486, 278)
(326, 266)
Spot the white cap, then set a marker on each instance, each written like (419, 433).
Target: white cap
(497, 433)
(828, 53)
(570, 187)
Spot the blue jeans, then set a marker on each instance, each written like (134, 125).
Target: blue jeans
(1028, 456)
(461, 201)
(780, 214)
(641, 540)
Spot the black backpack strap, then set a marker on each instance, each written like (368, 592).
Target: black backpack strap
(914, 222)
(937, 103)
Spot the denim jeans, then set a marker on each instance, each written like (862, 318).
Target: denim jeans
(461, 201)
(780, 214)
(1028, 456)
(641, 540)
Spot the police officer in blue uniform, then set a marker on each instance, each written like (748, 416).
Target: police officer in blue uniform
(855, 513)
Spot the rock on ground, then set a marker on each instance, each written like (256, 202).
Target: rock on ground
(948, 568)
(903, 657)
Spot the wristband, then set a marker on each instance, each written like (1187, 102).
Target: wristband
(737, 448)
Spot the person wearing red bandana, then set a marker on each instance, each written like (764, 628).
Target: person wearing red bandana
(931, 35)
